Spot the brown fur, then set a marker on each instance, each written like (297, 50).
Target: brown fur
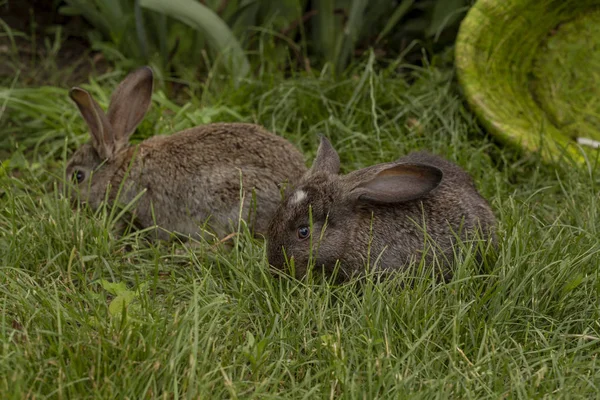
(189, 177)
(385, 229)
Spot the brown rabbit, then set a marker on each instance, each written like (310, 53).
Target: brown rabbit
(380, 215)
(187, 178)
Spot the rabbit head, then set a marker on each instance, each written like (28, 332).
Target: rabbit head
(92, 165)
(325, 218)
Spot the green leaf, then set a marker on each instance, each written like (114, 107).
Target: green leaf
(142, 288)
(91, 14)
(573, 283)
(244, 18)
(121, 301)
(250, 340)
(159, 22)
(113, 288)
(4, 167)
(397, 15)
(347, 40)
(203, 19)
(445, 13)
(69, 11)
(140, 29)
(325, 29)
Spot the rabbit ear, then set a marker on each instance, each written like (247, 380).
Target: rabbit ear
(100, 129)
(397, 184)
(129, 103)
(327, 159)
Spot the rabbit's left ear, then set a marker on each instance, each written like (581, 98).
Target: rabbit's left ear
(397, 183)
(129, 103)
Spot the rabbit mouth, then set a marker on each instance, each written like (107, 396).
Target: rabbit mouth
(278, 265)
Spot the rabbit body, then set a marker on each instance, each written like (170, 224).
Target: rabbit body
(189, 178)
(385, 215)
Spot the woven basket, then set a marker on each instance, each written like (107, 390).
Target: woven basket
(530, 70)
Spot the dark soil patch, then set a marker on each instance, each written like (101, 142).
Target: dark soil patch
(44, 47)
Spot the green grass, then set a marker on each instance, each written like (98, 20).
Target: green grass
(208, 323)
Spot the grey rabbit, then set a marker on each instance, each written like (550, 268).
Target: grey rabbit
(188, 178)
(377, 214)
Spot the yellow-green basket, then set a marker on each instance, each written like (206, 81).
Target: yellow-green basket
(530, 70)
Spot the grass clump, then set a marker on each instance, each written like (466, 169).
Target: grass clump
(213, 323)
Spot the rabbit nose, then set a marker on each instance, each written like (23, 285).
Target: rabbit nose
(275, 259)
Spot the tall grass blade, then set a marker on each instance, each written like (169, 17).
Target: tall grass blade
(347, 40)
(398, 14)
(325, 29)
(444, 14)
(140, 29)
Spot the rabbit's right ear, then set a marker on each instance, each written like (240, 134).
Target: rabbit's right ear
(129, 103)
(100, 129)
(327, 159)
(397, 183)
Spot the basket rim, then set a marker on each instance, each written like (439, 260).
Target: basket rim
(473, 82)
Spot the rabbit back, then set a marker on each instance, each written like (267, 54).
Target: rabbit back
(199, 175)
(459, 185)
(429, 226)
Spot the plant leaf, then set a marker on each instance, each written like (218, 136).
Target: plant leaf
(90, 13)
(123, 300)
(350, 32)
(140, 29)
(113, 288)
(445, 13)
(203, 19)
(397, 15)
(325, 29)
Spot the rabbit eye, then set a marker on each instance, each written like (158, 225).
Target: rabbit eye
(303, 232)
(78, 176)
